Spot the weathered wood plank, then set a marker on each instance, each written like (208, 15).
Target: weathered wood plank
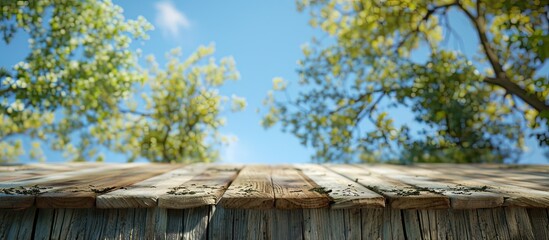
(156, 222)
(343, 192)
(372, 223)
(37, 171)
(17, 224)
(487, 224)
(252, 189)
(399, 195)
(196, 223)
(528, 177)
(21, 193)
(412, 224)
(81, 191)
(204, 189)
(174, 225)
(514, 196)
(461, 196)
(322, 223)
(145, 194)
(519, 224)
(287, 224)
(500, 222)
(459, 223)
(251, 223)
(221, 223)
(540, 222)
(294, 190)
(44, 219)
(315, 222)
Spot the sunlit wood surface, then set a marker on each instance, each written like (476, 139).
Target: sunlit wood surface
(251, 201)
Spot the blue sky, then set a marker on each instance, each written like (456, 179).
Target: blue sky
(264, 38)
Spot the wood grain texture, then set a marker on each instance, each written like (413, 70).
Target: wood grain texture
(221, 223)
(17, 224)
(21, 193)
(252, 189)
(81, 191)
(212, 222)
(539, 221)
(294, 190)
(519, 224)
(202, 190)
(398, 194)
(37, 171)
(343, 192)
(145, 194)
(343, 223)
(251, 224)
(372, 223)
(461, 196)
(287, 224)
(514, 196)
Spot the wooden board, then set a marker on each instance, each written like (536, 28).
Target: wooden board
(528, 176)
(81, 191)
(514, 196)
(461, 196)
(21, 193)
(37, 171)
(145, 194)
(202, 190)
(343, 192)
(399, 195)
(294, 190)
(252, 189)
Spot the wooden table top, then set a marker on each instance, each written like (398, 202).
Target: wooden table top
(293, 186)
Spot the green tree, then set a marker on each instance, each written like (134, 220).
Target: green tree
(470, 109)
(76, 89)
(181, 112)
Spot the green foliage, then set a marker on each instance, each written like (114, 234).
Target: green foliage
(467, 113)
(180, 118)
(75, 89)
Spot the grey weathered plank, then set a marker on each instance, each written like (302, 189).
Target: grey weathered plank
(202, 190)
(287, 224)
(221, 223)
(461, 196)
(294, 190)
(9, 198)
(196, 223)
(44, 218)
(514, 196)
(399, 195)
(412, 224)
(145, 194)
(459, 223)
(519, 224)
(353, 220)
(156, 222)
(37, 171)
(251, 223)
(81, 191)
(343, 192)
(315, 222)
(252, 189)
(174, 225)
(372, 222)
(486, 221)
(540, 222)
(500, 222)
(17, 224)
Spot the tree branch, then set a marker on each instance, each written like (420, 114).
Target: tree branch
(501, 78)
